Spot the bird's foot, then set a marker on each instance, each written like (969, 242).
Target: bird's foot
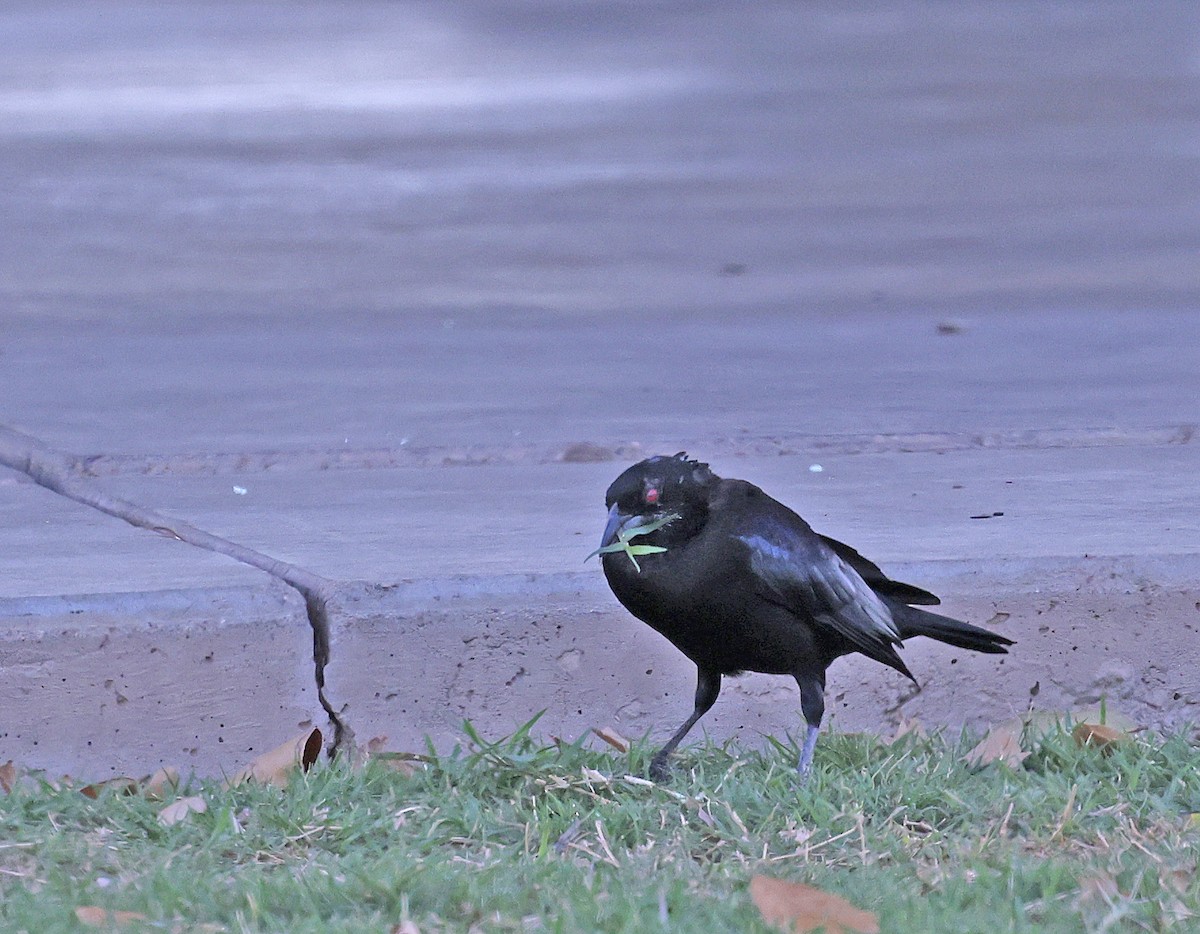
(660, 770)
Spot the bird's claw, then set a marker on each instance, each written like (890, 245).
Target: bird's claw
(660, 771)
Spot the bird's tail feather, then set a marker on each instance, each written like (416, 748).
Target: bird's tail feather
(914, 622)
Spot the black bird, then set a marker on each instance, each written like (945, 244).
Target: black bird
(738, 582)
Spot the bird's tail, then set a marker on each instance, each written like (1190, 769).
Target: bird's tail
(914, 622)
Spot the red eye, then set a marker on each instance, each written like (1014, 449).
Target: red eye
(651, 495)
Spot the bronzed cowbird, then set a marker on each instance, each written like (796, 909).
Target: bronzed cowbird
(739, 582)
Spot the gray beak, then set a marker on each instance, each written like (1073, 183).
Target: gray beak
(617, 520)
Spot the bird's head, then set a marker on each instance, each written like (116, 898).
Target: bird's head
(667, 497)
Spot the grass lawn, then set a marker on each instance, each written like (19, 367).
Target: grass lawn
(522, 836)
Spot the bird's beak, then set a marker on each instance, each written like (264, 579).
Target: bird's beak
(617, 520)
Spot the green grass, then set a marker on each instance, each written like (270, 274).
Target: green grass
(482, 839)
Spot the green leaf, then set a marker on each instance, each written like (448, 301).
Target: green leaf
(624, 544)
(606, 550)
(645, 529)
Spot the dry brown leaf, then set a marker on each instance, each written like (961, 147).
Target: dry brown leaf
(796, 907)
(8, 777)
(122, 785)
(95, 917)
(1106, 716)
(157, 786)
(362, 753)
(1002, 744)
(1176, 880)
(908, 726)
(276, 767)
(612, 737)
(1099, 736)
(176, 811)
(1034, 726)
(376, 744)
(406, 763)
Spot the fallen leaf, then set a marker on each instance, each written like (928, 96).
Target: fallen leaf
(176, 811)
(124, 786)
(612, 737)
(1105, 716)
(8, 777)
(362, 753)
(794, 834)
(1099, 736)
(95, 917)
(157, 786)
(1001, 744)
(796, 907)
(1176, 880)
(406, 763)
(276, 767)
(908, 726)
(376, 744)
(1037, 725)
(697, 805)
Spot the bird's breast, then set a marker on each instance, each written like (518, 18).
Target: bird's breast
(695, 619)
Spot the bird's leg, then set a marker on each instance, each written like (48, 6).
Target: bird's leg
(806, 754)
(708, 686)
(812, 703)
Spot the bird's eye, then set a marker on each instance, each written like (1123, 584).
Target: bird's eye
(651, 495)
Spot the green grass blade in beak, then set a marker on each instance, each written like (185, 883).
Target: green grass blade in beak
(618, 526)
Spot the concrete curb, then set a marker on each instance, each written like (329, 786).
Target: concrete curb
(61, 473)
(98, 677)
(120, 684)
(498, 651)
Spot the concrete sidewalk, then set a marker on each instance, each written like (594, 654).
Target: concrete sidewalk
(340, 334)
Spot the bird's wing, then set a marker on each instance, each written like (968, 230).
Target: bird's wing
(800, 571)
(878, 581)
